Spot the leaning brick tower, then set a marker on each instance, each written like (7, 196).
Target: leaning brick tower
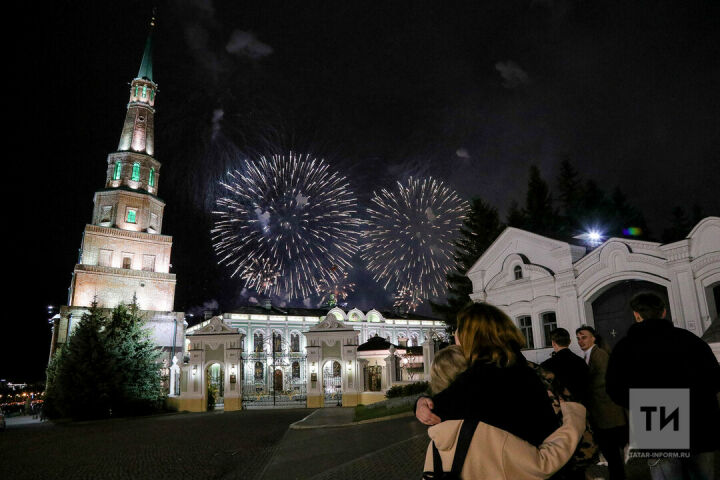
(124, 256)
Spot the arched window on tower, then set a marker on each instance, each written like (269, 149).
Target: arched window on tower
(135, 172)
(144, 91)
(518, 272)
(117, 171)
(151, 178)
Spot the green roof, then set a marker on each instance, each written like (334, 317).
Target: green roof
(146, 64)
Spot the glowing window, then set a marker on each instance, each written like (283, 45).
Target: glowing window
(135, 172)
(151, 178)
(152, 94)
(131, 215)
(116, 172)
(144, 91)
(136, 90)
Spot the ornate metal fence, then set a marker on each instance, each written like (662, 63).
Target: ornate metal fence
(277, 380)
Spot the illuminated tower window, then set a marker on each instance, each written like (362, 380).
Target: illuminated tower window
(152, 94)
(137, 89)
(144, 91)
(151, 179)
(131, 215)
(136, 172)
(118, 169)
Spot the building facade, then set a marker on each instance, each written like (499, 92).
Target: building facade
(267, 356)
(542, 283)
(124, 256)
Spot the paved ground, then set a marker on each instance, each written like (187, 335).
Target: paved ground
(209, 445)
(244, 445)
(360, 451)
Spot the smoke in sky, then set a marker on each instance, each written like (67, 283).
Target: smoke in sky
(246, 44)
(513, 76)
(217, 117)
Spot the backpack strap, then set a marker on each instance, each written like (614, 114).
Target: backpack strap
(437, 461)
(463, 444)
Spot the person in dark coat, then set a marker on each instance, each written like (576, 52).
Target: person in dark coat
(656, 354)
(569, 369)
(499, 388)
(607, 418)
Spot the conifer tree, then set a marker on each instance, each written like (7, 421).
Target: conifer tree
(108, 367)
(78, 380)
(136, 383)
(569, 194)
(479, 230)
(542, 217)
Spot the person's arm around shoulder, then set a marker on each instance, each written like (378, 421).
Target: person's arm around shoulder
(423, 411)
(452, 403)
(527, 462)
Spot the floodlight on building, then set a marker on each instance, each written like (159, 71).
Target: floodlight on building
(592, 237)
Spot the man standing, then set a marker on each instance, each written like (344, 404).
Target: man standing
(656, 354)
(606, 417)
(570, 370)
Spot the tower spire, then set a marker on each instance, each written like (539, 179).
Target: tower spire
(145, 71)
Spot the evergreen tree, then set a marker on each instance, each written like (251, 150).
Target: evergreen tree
(479, 230)
(540, 215)
(108, 367)
(516, 216)
(136, 383)
(78, 379)
(569, 194)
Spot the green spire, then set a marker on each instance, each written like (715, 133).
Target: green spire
(146, 64)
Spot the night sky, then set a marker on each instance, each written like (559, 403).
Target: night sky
(470, 92)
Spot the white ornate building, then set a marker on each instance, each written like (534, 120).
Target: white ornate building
(544, 283)
(269, 356)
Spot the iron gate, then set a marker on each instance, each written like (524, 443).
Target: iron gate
(332, 384)
(277, 380)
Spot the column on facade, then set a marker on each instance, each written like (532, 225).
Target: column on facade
(428, 356)
(314, 385)
(390, 372)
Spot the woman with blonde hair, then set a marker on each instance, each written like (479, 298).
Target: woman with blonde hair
(473, 449)
(498, 387)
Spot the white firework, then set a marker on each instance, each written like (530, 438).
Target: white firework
(288, 216)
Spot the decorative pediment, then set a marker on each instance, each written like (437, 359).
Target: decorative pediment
(216, 326)
(330, 323)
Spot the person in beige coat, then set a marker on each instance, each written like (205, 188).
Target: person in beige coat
(498, 455)
(494, 453)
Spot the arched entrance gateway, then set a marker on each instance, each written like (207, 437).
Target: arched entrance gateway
(332, 360)
(611, 311)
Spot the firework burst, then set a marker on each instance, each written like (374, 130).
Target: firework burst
(335, 288)
(407, 299)
(282, 221)
(410, 236)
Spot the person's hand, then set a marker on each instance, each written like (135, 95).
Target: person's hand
(423, 412)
